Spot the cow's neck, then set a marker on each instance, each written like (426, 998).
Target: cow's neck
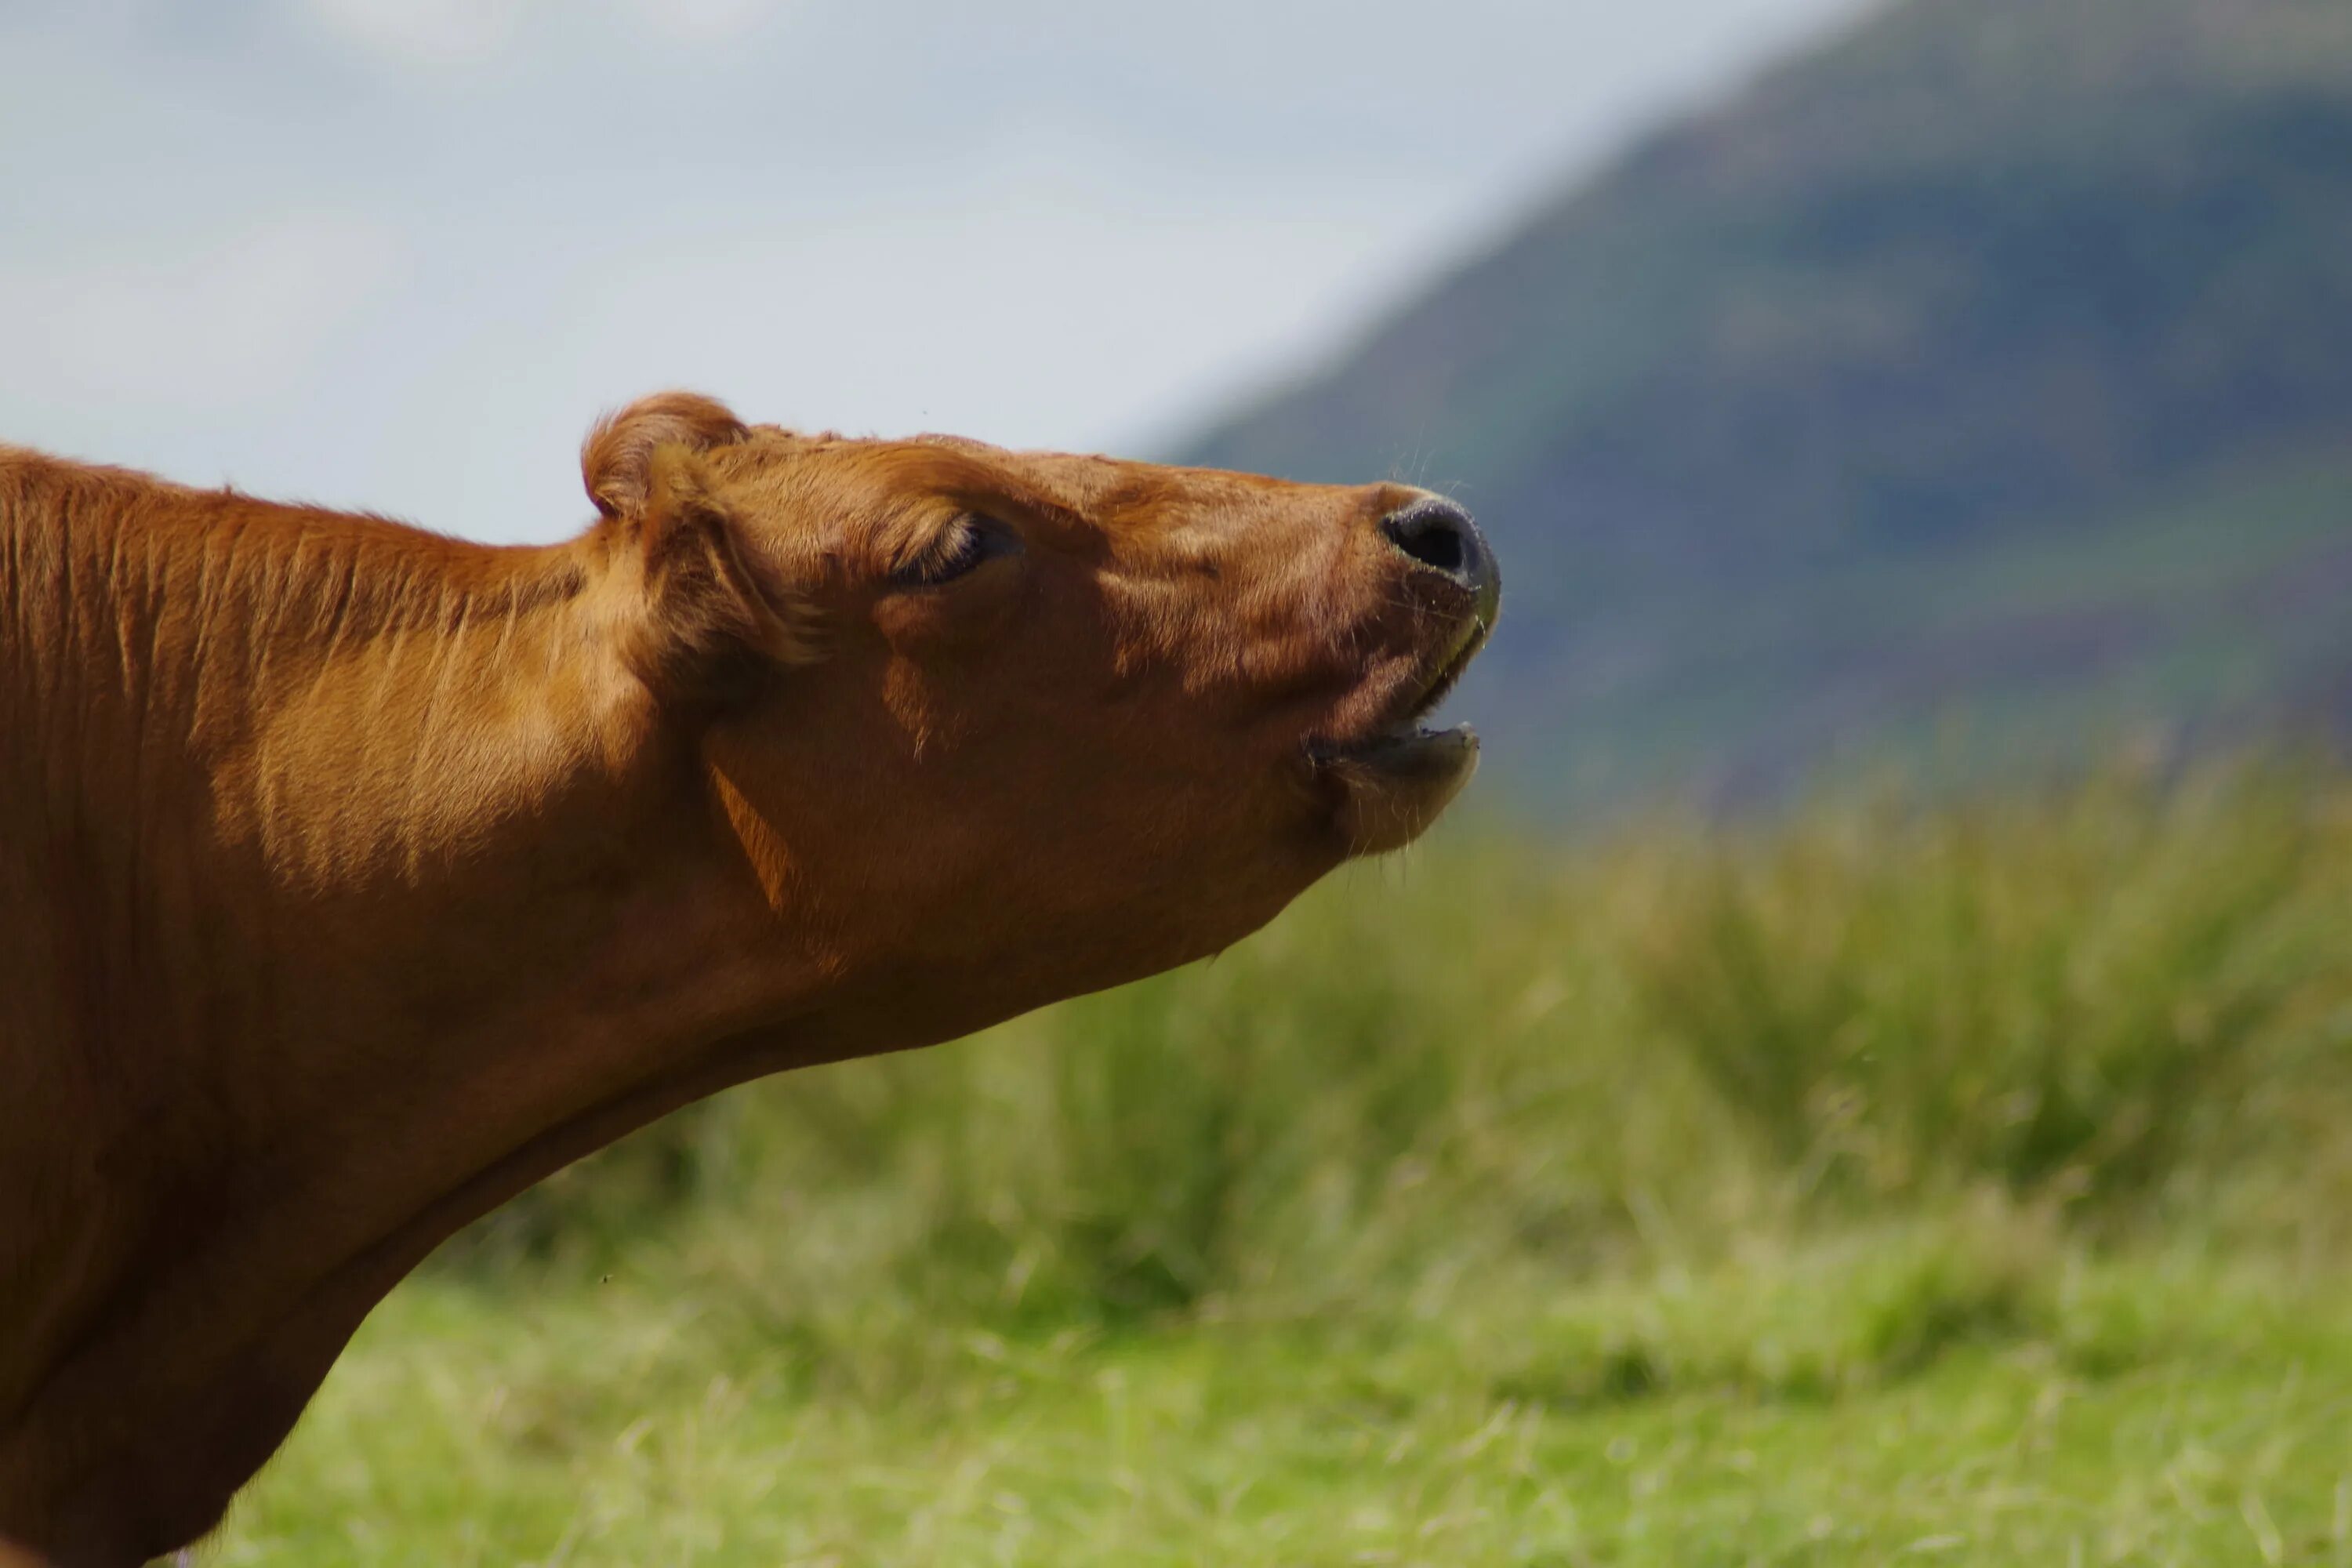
(378, 897)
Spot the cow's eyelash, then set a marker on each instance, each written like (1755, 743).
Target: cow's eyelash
(953, 552)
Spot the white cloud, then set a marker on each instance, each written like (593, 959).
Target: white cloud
(1041, 295)
(445, 35)
(234, 319)
(435, 33)
(703, 21)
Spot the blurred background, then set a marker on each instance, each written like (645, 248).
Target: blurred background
(1869, 1075)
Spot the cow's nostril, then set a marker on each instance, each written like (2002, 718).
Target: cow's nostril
(1441, 536)
(1429, 539)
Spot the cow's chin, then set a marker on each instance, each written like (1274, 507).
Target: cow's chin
(1391, 785)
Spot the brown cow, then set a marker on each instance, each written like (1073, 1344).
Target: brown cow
(353, 879)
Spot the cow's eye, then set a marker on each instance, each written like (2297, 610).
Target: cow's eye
(972, 542)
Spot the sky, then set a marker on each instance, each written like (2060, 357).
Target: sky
(398, 254)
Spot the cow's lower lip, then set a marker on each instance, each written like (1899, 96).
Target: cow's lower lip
(1404, 750)
(1391, 785)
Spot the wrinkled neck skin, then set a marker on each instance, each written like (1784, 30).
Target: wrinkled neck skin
(349, 923)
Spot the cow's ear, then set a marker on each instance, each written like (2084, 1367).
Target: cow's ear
(711, 624)
(616, 461)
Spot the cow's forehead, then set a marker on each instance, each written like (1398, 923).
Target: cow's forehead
(1080, 472)
(1103, 489)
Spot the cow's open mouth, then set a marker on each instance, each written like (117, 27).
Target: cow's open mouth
(1393, 781)
(1404, 745)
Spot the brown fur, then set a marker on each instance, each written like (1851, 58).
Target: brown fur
(353, 878)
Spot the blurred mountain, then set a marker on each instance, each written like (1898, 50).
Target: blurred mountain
(1976, 389)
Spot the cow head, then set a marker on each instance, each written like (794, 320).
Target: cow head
(1014, 724)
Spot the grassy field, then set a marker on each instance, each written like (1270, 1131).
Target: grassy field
(1967, 1184)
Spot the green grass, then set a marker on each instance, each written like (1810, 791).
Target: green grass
(1894, 1396)
(1966, 1183)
